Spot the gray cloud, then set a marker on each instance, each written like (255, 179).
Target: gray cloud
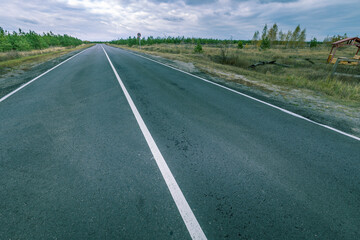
(25, 20)
(188, 2)
(174, 19)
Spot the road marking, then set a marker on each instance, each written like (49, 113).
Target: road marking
(185, 211)
(255, 99)
(34, 79)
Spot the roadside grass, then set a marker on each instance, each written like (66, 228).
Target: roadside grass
(299, 68)
(23, 60)
(4, 56)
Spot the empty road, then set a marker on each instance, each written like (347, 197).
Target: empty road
(111, 145)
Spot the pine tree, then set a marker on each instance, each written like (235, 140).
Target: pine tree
(282, 37)
(255, 38)
(295, 36)
(272, 34)
(302, 38)
(264, 32)
(265, 42)
(288, 38)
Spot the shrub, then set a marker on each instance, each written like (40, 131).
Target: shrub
(22, 45)
(5, 46)
(265, 43)
(240, 45)
(313, 43)
(224, 50)
(198, 48)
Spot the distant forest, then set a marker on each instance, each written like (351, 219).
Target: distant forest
(171, 40)
(24, 41)
(269, 38)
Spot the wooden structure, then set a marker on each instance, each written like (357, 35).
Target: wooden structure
(347, 60)
(355, 41)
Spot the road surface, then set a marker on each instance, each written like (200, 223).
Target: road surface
(76, 161)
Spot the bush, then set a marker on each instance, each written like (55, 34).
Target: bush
(198, 48)
(240, 45)
(224, 51)
(22, 45)
(313, 43)
(5, 46)
(265, 43)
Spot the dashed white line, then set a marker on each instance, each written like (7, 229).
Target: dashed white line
(255, 99)
(186, 213)
(34, 79)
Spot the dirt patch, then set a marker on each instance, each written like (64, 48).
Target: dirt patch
(188, 67)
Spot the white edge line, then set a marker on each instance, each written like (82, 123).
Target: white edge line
(185, 211)
(34, 79)
(255, 99)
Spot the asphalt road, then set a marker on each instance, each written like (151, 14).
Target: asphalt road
(74, 163)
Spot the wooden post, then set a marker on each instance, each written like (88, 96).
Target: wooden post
(330, 55)
(334, 68)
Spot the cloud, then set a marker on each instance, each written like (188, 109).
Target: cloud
(25, 20)
(112, 19)
(174, 19)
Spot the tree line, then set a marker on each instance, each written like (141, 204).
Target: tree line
(272, 36)
(24, 41)
(131, 41)
(267, 39)
(330, 39)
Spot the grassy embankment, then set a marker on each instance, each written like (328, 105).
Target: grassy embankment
(23, 60)
(306, 68)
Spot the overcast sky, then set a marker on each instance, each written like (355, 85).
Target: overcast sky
(223, 19)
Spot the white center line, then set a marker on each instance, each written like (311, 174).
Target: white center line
(185, 211)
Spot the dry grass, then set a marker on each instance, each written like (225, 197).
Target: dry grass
(23, 60)
(4, 56)
(307, 67)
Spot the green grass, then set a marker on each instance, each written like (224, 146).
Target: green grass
(302, 74)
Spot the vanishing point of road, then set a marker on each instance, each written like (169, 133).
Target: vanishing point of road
(112, 145)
